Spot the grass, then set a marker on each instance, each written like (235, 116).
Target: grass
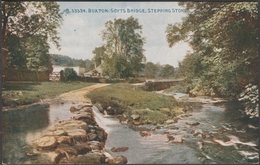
(19, 93)
(127, 99)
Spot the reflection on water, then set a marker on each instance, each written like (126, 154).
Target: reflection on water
(16, 125)
(24, 125)
(25, 120)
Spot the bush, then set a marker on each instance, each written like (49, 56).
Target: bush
(70, 74)
(250, 99)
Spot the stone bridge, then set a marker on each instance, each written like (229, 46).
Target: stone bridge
(156, 85)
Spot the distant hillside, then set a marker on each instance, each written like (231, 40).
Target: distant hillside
(68, 61)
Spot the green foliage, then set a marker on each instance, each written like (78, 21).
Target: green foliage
(167, 71)
(224, 41)
(62, 60)
(123, 48)
(128, 95)
(37, 52)
(129, 99)
(31, 53)
(151, 70)
(43, 19)
(27, 28)
(117, 67)
(99, 54)
(70, 74)
(17, 56)
(150, 116)
(251, 99)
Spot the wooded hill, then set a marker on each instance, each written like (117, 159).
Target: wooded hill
(63, 60)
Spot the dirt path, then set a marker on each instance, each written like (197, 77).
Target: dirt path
(78, 95)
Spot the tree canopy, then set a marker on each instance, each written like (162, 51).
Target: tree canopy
(99, 54)
(123, 47)
(63, 60)
(27, 28)
(224, 40)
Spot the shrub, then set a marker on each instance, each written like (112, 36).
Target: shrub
(70, 74)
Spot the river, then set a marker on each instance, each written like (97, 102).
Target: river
(221, 121)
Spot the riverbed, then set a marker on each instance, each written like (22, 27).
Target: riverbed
(228, 137)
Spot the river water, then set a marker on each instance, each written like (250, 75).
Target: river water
(22, 126)
(221, 122)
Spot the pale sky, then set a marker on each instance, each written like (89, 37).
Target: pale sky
(80, 33)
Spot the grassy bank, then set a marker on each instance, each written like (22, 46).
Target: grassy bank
(178, 88)
(127, 99)
(19, 93)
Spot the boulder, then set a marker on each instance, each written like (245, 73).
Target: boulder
(136, 122)
(119, 149)
(70, 124)
(117, 160)
(82, 148)
(54, 157)
(192, 123)
(200, 145)
(145, 133)
(109, 111)
(89, 158)
(66, 150)
(198, 132)
(76, 132)
(108, 155)
(73, 109)
(92, 136)
(87, 109)
(175, 138)
(135, 116)
(58, 132)
(170, 121)
(46, 142)
(64, 140)
(86, 118)
(78, 135)
(85, 106)
(102, 135)
(96, 145)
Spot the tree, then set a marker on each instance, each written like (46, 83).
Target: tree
(167, 71)
(89, 65)
(17, 55)
(37, 54)
(99, 53)
(22, 21)
(123, 48)
(82, 63)
(151, 70)
(224, 41)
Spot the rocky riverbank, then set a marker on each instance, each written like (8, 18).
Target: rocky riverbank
(78, 140)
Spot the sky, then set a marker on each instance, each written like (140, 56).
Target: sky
(81, 32)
